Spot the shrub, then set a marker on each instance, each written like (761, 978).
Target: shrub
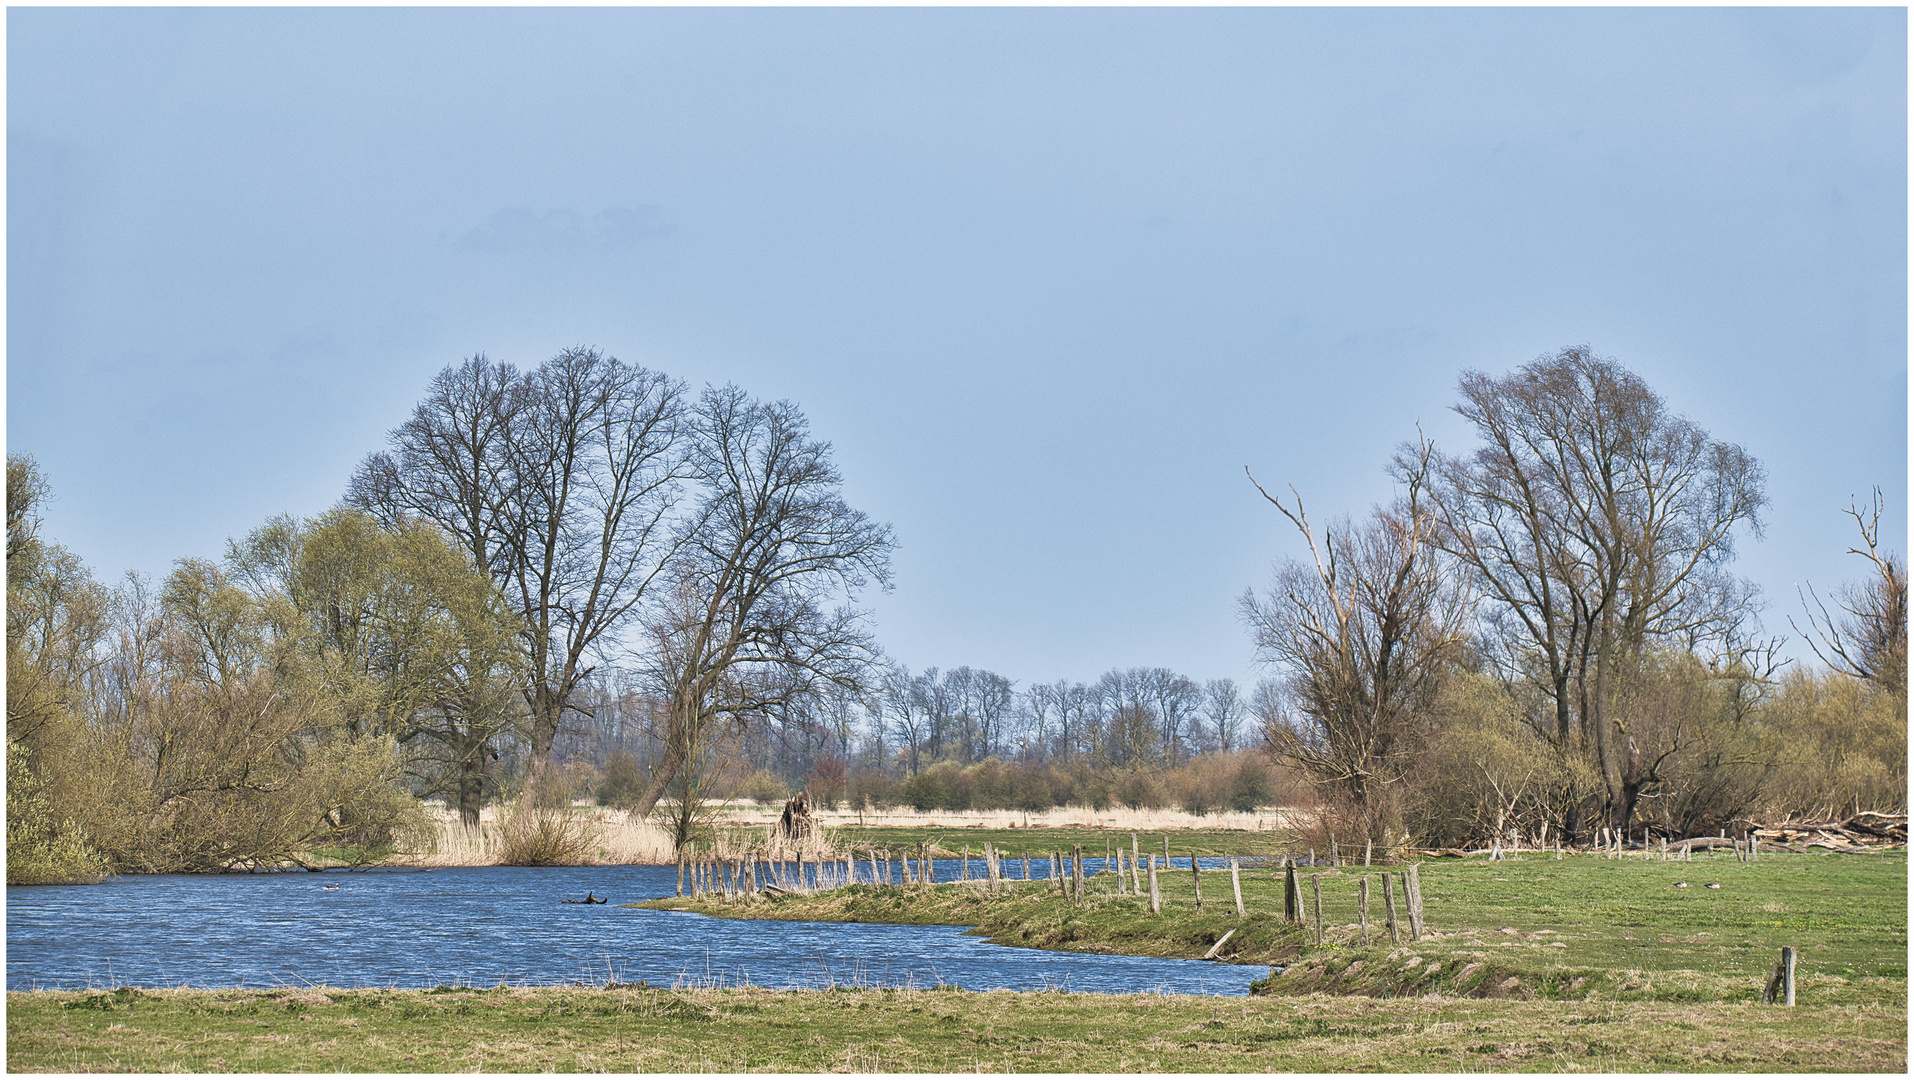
(1249, 788)
(1138, 790)
(623, 781)
(764, 788)
(827, 783)
(535, 835)
(873, 791)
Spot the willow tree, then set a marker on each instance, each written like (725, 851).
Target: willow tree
(391, 635)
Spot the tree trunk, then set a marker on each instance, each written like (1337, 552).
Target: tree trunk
(471, 781)
(1606, 752)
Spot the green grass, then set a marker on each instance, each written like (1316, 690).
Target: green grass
(634, 1029)
(1581, 928)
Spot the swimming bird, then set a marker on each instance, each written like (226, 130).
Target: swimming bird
(332, 887)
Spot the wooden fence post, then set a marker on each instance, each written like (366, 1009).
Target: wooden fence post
(1412, 893)
(1316, 883)
(1077, 872)
(1368, 847)
(1389, 909)
(1335, 857)
(1196, 875)
(1291, 894)
(1236, 884)
(1026, 865)
(1136, 875)
(1780, 988)
(1362, 908)
(1156, 896)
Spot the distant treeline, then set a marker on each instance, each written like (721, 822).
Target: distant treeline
(583, 581)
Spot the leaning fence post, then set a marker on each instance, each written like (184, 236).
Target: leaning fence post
(1236, 883)
(1196, 875)
(1156, 896)
(1780, 988)
(1362, 907)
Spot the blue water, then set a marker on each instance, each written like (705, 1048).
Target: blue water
(482, 926)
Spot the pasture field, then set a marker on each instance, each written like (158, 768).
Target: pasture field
(643, 1029)
(1584, 927)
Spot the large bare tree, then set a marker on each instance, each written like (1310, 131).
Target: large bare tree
(1598, 524)
(1365, 632)
(560, 482)
(757, 609)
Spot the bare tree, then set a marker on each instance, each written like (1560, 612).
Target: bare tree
(1869, 639)
(1223, 705)
(895, 701)
(1365, 633)
(560, 483)
(771, 547)
(992, 698)
(1598, 525)
(1175, 701)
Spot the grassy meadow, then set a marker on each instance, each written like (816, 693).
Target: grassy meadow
(644, 1029)
(1579, 928)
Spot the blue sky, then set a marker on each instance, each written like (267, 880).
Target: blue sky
(1048, 279)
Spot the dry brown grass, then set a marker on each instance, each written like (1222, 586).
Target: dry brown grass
(744, 828)
(1062, 817)
(615, 839)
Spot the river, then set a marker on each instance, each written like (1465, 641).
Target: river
(482, 926)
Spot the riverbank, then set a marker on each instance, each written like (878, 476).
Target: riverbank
(1581, 928)
(639, 1028)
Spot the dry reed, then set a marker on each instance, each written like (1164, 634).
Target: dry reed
(618, 841)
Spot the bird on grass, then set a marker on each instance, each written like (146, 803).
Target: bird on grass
(1714, 885)
(1681, 884)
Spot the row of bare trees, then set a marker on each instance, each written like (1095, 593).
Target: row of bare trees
(1569, 574)
(701, 542)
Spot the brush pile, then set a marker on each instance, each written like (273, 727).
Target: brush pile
(1863, 830)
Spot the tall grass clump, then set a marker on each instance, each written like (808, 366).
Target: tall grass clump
(544, 835)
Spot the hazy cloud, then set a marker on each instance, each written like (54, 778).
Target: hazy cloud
(516, 230)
